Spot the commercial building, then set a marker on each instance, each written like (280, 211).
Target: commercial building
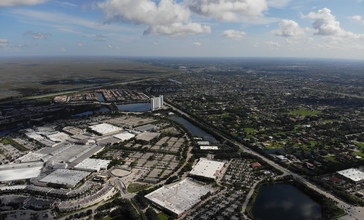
(65, 178)
(179, 197)
(105, 129)
(352, 174)
(93, 165)
(156, 102)
(12, 172)
(209, 148)
(207, 168)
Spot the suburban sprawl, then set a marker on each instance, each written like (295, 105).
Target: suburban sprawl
(199, 140)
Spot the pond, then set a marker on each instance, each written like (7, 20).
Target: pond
(285, 202)
(138, 107)
(195, 131)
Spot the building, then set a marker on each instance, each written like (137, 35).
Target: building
(93, 165)
(22, 171)
(179, 197)
(157, 103)
(352, 174)
(105, 129)
(65, 178)
(207, 168)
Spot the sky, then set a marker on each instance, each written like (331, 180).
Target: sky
(183, 28)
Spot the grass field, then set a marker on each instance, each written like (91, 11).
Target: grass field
(136, 187)
(163, 216)
(304, 112)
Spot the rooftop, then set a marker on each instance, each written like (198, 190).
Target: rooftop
(105, 129)
(179, 197)
(93, 164)
(207, 168)
(65, 177)
(353, 174)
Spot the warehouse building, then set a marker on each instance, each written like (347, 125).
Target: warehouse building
(207, 168)
(179, 197)
(354, 175)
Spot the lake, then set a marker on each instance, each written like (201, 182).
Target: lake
(138, 107)
(285, 202)
(195, 131)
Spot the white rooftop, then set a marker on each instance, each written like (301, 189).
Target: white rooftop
(93, 164)
(353, 174)
(11, 172)
(105, 128)
(179, 197)
(65, 177)
(209, 147)
(124, 136)
(207, 168)
(203, 142)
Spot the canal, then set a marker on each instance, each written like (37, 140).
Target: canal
(195, 131)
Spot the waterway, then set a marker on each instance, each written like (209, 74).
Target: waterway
(285, 202)
(103, 110)
(138, 107)
(195, 131)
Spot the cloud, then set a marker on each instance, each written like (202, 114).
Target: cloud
(196, 44)
(289, 28)
(326, 24)
(9, 3)
(358, 18)
(233, 34)
(272, 44)
(278, 3)
(66, 4)
(166, 18)
(37, 35)
(228, 10)
(3, 42)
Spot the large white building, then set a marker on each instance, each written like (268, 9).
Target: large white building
(352, 174)
(156, 102)
(179, 197)
(207, 168)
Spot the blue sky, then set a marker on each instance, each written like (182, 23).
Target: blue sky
(187, 28)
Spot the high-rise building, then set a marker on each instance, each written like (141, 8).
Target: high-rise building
(156, 102)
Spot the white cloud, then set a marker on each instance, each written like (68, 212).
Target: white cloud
(8, 3)
(358, 18)
(196, 44)
(233, 34)
(228, 10)
(278, 3)
(37, 35)
(80, 44)
(289, 28)
(3, 42)
(177, 29)
(166, 18)
(326, 24)
(272, 44)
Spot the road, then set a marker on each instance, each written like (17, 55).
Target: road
(354, 213)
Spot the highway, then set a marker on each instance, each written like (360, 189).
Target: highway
(355, 213)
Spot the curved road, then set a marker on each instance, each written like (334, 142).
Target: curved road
(355, 213)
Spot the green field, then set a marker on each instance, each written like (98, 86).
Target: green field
(163, 216)
(136, 187)
(304, 112)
